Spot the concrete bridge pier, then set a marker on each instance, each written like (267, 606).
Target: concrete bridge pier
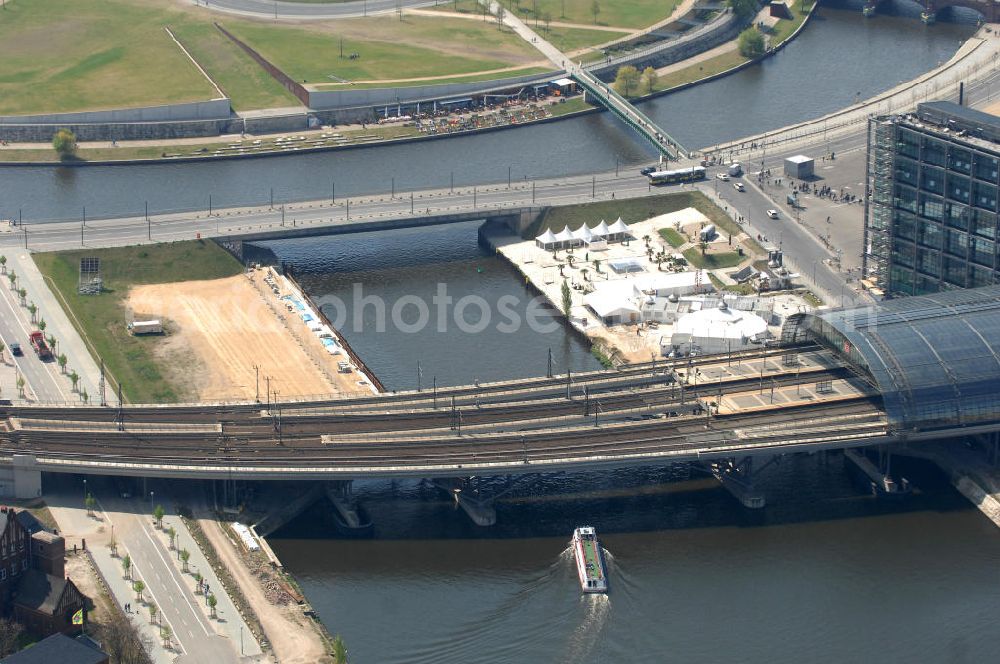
(465, 491)
(20, 479)
(349, 512)
(878, 474)
(737, 476)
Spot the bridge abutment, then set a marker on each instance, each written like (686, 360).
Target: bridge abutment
(737, 477)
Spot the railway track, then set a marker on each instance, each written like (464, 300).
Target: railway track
(461, 396)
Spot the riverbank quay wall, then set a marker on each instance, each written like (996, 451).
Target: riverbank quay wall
(147, 122)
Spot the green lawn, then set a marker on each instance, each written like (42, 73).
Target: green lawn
(101, 319)
(389, 49)
(72, 55)
(675, 239)
(712, 261)
(633, 14)
(471, 78)
(571, 39)
(243, 80)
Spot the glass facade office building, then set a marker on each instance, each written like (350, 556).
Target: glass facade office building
(931, 209)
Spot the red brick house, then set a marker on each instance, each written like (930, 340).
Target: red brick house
(33, 583)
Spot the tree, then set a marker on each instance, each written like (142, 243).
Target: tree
(84, 397)
(743, 8)
(52, 342)
(138, 586)
(597, 265)
(61, 361)
(172, 534)
(751, 43)
(626, 80)
(74, 377)
(547, 20)
(2, 349)
(212, 603)
(32, 309)
(64, 143)
(20, 386)
(42, 325)
(703, 245)
(185, 557)
(90, 502)
(595, 9)
(339, 650)
(152, 613)
(567, 298)
(12, 278)
(165, 634)
(3, 264)
(197, 577)
(10, 635)
(22, 293)
(122, 640)
(158, 513)
(650, 77)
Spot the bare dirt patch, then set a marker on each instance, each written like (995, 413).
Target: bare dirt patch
(218, 330)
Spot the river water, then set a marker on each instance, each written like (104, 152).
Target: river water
(825, 573)
(412, 265)
(839, 56)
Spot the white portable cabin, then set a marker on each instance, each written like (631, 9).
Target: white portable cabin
(138, 327)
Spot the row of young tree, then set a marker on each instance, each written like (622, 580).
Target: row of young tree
(40, 323)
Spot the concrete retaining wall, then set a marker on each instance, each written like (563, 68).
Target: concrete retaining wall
(215, 109)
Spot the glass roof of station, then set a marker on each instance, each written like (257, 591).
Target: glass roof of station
(935, 358)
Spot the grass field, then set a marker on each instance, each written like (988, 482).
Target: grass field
(630, 14)
(572, 39)
(471, 78)
(673, 238)
(242, 79)
(389, 49)
(630, 211)
(68, 55)
(712, 261)
(101, 319)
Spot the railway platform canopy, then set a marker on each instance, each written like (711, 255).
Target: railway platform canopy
(934, 358)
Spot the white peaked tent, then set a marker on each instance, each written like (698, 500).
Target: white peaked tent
(547, 240)
(565, 237)
(601, 229)
(583, 235)
(618, 230)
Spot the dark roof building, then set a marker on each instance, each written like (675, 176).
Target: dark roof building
(934, 358)
(58, 649)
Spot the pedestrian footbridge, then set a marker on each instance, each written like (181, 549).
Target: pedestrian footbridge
(603, 93)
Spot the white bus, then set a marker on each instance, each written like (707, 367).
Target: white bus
(678, 175)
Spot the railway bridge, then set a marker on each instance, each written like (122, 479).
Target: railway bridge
(910, 370)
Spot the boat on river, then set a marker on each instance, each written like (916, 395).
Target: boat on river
(589, 560)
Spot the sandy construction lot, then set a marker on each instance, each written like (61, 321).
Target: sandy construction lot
(218, 330)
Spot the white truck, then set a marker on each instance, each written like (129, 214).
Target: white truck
(138, 327)
(735, 170)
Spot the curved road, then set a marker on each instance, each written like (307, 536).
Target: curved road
(315, 11)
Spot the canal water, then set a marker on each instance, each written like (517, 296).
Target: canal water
(838, 57)
(826, 573)
(483, 334)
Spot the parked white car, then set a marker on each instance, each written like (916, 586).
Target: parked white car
(773, 214)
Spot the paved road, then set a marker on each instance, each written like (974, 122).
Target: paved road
(42, 378)
(314, 10)
(196, 637)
